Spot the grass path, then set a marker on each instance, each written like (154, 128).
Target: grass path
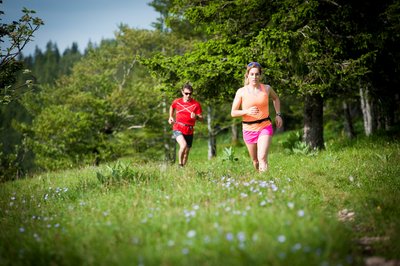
(336, 207)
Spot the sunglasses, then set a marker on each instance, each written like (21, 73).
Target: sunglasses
(256, 64)
(187, 93)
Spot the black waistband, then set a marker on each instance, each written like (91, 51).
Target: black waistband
(257, 121)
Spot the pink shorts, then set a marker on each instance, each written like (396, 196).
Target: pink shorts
(251, 137)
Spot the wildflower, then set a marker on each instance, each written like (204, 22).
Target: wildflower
(21, 229)
(171, 243)
(263, 184)
(13, 198)
(281, 238)
(185, 251)
(241, 236)
(296, 247)
(191, 233)
(229, 236)
(189, 214)
(300, 213)
(263, 203)
(290, 205)
(243, 195)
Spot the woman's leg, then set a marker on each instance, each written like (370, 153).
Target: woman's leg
(252, 148)
(264, 141)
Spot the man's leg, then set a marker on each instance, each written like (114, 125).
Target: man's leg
(189, 142)
(185, 155)
(182, 149)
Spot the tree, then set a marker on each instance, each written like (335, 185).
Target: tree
(106, 108)
(15, 36)
(304, 46)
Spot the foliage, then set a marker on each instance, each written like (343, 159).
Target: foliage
(229, 155)
(120, 173)
(15, 35)
(294, 144)
(106, 108)
(307, 48)
(316, 210)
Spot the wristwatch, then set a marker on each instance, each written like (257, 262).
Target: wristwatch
(279, 114)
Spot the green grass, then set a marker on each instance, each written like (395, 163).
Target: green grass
(217, 212)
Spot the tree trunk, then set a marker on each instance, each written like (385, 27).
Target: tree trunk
(235, 133)
(348, 121)
(367, 111)
(169, 143)
(313, 121)
(212, 141)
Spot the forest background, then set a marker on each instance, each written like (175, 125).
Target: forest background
(335, 65)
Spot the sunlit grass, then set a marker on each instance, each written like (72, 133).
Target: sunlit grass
(214, 212)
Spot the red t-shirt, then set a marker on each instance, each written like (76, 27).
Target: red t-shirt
(184, 122)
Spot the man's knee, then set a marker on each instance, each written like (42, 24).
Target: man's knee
(183, 146)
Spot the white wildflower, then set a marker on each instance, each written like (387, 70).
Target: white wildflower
(281, 238)
(191, 233)
(300, 213)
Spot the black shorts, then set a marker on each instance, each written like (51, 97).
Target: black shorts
(188, 138)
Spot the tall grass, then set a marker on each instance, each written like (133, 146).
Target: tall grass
(334, 207)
